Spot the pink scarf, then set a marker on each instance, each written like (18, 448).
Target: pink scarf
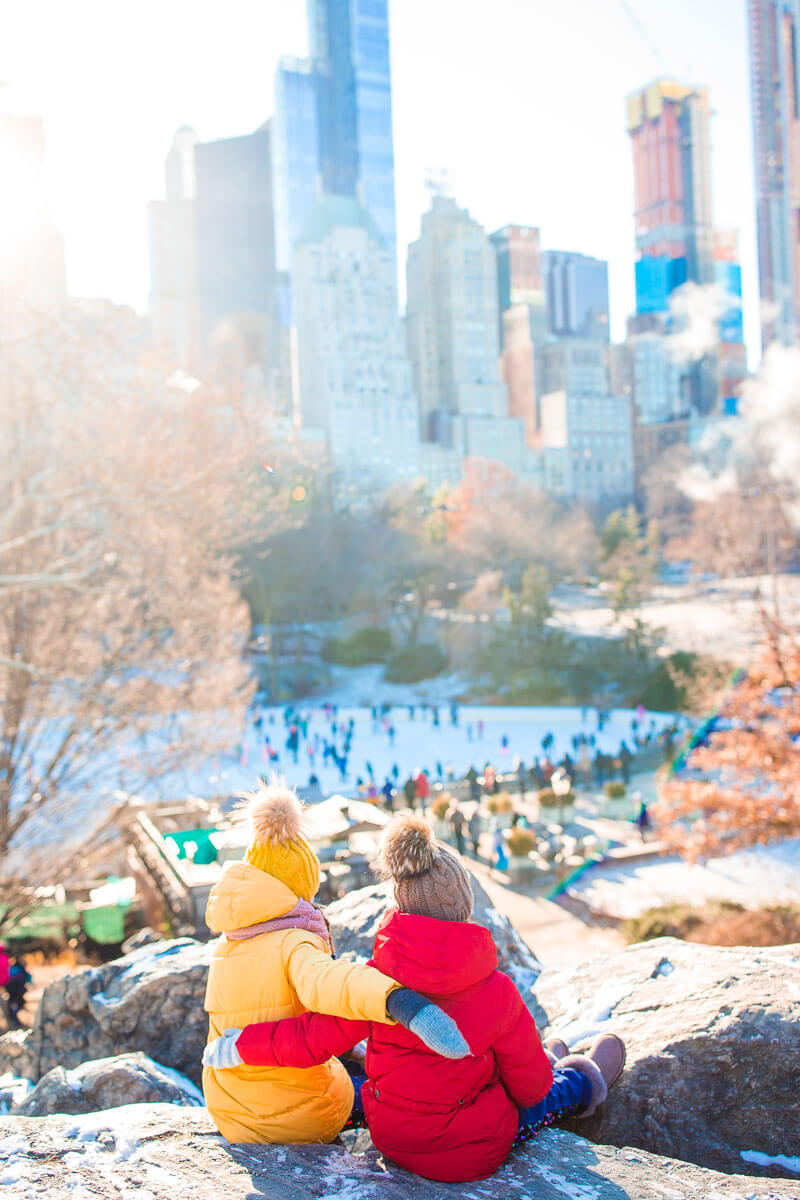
(302, 916)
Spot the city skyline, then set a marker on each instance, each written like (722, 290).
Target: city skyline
(439, 120)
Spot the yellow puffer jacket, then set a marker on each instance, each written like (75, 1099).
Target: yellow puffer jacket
(278, 974)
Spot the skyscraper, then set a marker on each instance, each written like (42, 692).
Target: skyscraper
(452, 336)
(333, 121)
(354, 381)
(295, 155)
(668, 125)
(576, 293)
(523, 318)
(451, 319)
(212, 251)
(349, 42)
(519, 272)
(173, 251)
(235, 268)
(775, 92)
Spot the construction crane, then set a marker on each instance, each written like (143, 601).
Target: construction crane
(641, 29)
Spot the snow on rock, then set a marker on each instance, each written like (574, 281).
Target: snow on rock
(106, 1083)
(159, 1152)
(13, 1089)
(788, 1162)
(581, 1023)
(763, 875)
(713, 1041)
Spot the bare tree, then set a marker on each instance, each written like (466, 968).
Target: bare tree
(499, 522)
(121, 628)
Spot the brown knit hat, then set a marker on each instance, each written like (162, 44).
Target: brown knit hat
(429, 879)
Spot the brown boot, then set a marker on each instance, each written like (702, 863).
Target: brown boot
(555, 1049)
(602, 1063)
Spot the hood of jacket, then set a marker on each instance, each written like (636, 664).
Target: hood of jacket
(437, 958)
(245, 895)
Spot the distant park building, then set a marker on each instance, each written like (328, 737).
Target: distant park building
(775, 92)
(354, 382)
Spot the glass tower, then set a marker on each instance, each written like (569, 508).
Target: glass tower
(577, 294)
(333, 118)
(295, 154)
(775, 92)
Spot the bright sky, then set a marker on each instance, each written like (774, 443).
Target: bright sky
(523, 100)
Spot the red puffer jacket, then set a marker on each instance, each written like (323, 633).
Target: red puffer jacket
(451, 1121)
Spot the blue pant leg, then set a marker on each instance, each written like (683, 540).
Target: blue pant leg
(356, 1120)
(571, 1091)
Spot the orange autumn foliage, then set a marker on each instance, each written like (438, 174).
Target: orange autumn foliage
(742, 787)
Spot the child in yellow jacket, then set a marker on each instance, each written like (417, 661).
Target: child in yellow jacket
(274, 960)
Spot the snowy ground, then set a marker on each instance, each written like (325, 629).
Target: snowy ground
(762, 876)
(720, 618)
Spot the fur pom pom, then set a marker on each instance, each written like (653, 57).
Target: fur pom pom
(407, 849)
(273, 812)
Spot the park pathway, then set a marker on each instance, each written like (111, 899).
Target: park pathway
(555, 936)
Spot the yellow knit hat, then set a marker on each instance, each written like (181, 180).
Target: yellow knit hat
(278, 846)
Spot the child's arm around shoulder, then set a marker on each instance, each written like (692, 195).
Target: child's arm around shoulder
(306, 1041)
(341, 989)
(522, 1063)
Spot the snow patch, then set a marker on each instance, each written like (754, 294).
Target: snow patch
(524, 978)
(586, 1024)
(189, 1089)
(13, 1090)
(757, 877)
(787, 1161)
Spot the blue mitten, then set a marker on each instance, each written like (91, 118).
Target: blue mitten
(429, 1022)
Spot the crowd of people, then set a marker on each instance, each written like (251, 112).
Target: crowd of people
(294, 737)
(295, 734)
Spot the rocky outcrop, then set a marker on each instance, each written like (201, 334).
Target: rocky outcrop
(151, 1000)
(107, 1083)
(354, 921)
(713, 1034)
(17, 1058)
(164, 1152)
(713, 1039)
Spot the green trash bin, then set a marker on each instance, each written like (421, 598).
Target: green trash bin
(105, 924)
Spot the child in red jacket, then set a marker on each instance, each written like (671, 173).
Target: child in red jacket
(451, 1121)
